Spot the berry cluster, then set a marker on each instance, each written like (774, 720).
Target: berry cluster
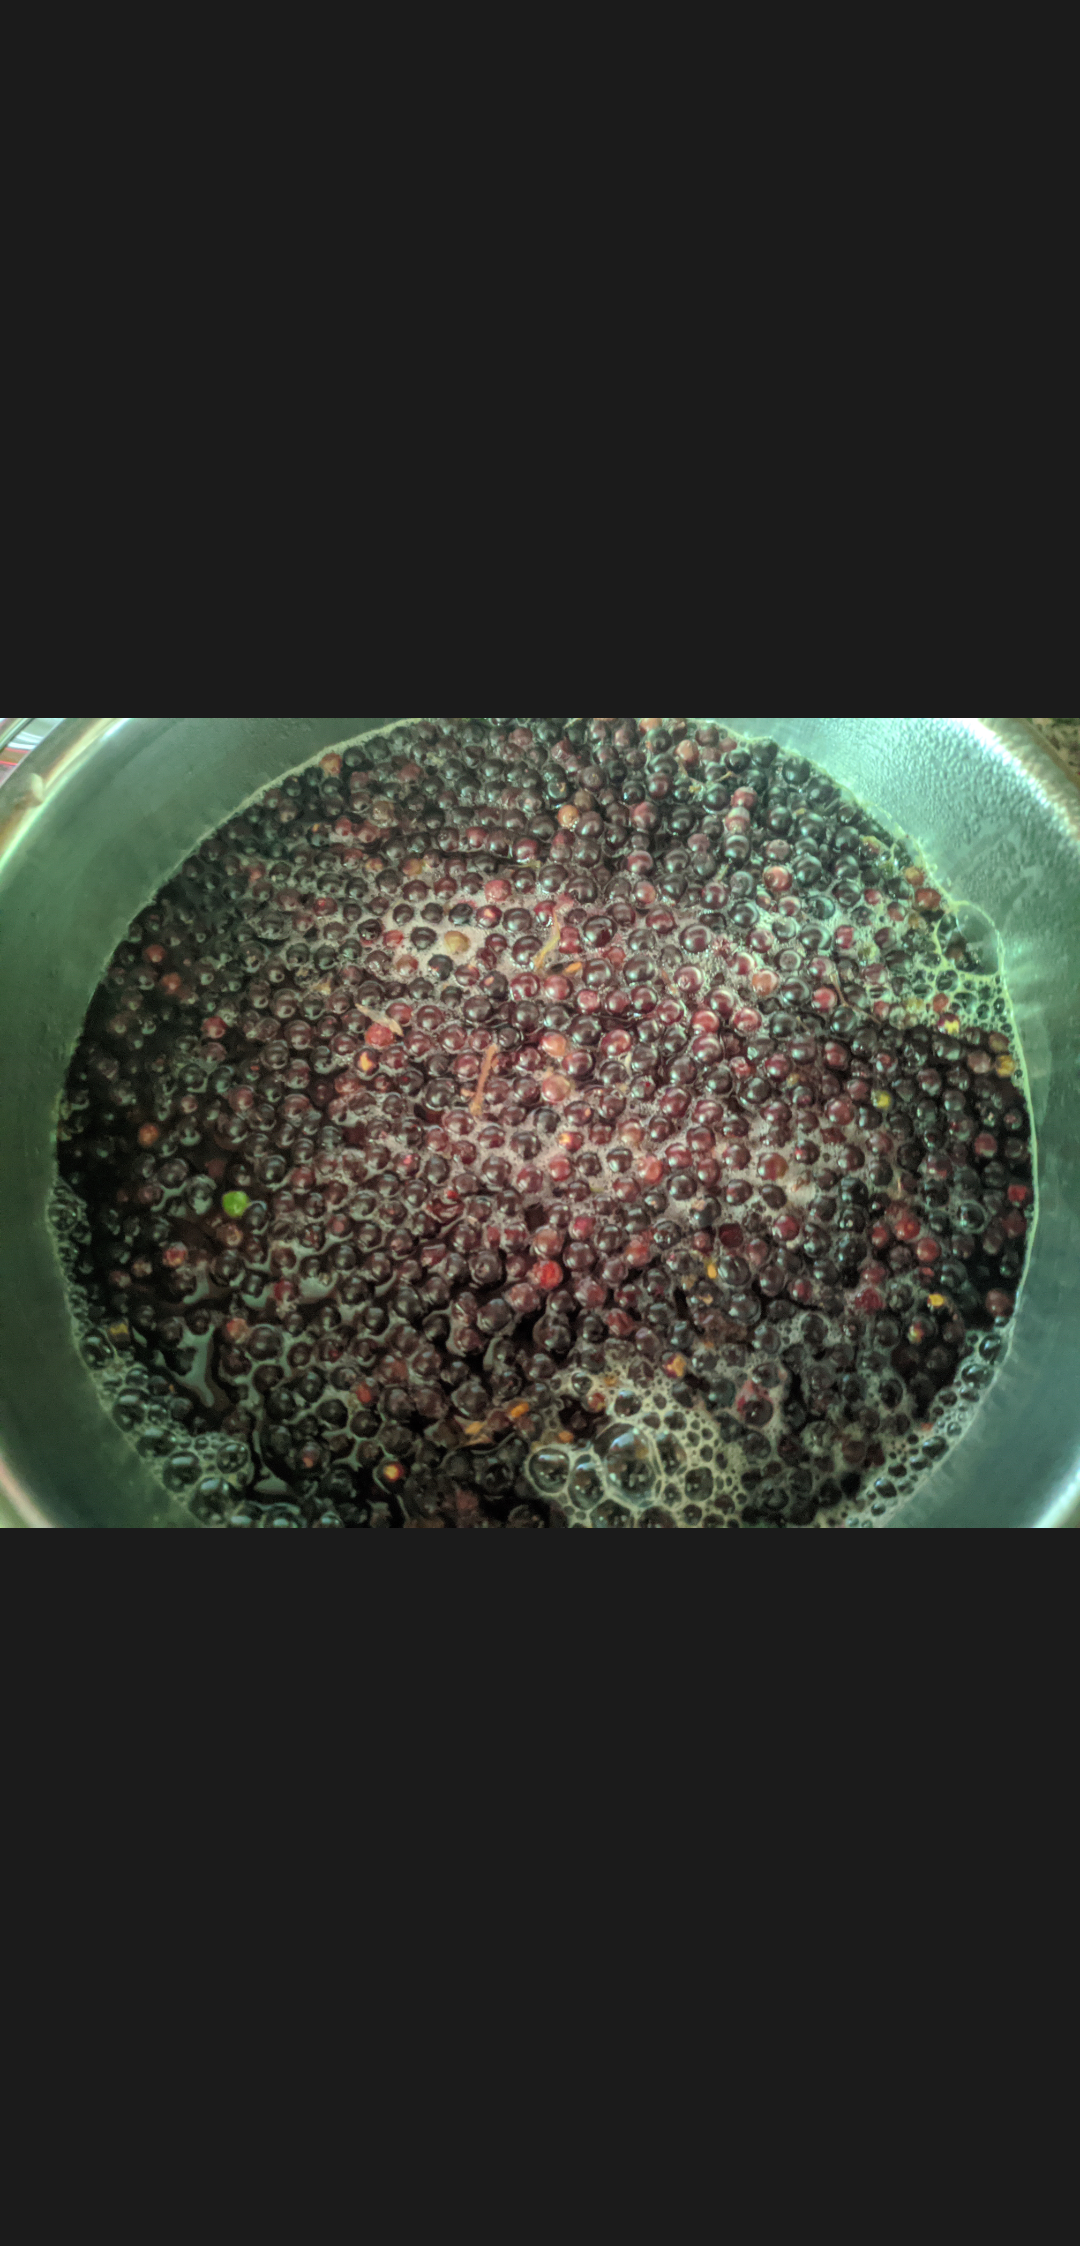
(540, 1122)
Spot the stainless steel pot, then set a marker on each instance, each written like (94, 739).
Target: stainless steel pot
(98, 817)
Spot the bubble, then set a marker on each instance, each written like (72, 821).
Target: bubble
(234, 1460)
(155, 1442)
(586, 1485)
(549, 1470)
(610, 1515)
(630, 1465)
(181, 1469)
(981, 939)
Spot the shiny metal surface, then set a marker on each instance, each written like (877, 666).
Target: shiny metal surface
(98, 818)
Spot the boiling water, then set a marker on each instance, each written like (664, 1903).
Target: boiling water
(542, 1123)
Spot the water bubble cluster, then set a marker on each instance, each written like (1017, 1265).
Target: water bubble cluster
(543, 1123)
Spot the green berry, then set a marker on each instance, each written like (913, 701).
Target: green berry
(234, 1204)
